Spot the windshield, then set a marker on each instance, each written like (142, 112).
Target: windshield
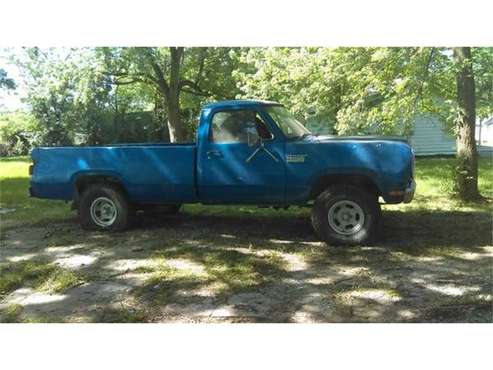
(289, 125)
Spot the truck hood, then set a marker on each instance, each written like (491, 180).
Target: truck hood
(387, 160)
(325, 138)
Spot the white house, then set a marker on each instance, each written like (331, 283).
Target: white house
(427, 137)
(484, 134)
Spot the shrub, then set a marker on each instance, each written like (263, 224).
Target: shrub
(19, 132)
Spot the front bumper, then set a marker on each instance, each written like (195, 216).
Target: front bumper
(409, 192)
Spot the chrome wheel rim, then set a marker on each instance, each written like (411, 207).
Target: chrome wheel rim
(103, 212)
(346, 217)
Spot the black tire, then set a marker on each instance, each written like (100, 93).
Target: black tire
(113, 198)
(365, 216)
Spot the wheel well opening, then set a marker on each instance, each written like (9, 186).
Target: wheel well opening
(360, 181)
(83, 182)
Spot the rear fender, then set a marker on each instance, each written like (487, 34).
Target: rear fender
(82, 179)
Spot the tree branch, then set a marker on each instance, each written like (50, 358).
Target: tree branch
(190, 84)
(175, 67)
(195, 92)
(129, 82)
(426, 72)
(160, 81)
(194, 88)
(135, 77)
(201, 65)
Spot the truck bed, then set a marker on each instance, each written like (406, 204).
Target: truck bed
(150, 172)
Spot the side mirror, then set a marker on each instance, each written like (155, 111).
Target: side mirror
(253, 137)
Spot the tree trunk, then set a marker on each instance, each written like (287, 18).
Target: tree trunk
(160, 130)
(116, 133)
(177, 130)
(466, 176)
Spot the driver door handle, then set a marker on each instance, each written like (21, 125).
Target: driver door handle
(214, 154)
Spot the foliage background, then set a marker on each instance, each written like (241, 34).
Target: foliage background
(92, 96)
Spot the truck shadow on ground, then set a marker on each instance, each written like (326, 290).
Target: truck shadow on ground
(398, 228)
(427, 267)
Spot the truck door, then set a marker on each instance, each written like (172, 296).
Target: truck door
(240, 160)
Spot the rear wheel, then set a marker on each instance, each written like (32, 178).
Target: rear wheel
(346, 215)
(103, 207)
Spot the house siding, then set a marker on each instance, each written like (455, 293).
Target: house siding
(484, 136)
(429, 138)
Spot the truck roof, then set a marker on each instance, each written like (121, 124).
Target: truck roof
(239, 103)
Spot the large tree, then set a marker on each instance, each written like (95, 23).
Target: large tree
(173, 71)
(467, 163)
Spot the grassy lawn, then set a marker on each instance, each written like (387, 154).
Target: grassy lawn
(39, 275)
(435, 185)
(14, 189)
(243, 263)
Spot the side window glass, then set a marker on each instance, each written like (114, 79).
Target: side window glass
(238, 126)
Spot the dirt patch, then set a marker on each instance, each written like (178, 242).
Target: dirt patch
(217, 269)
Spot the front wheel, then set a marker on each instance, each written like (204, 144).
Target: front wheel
(346, 215)
(103, 207)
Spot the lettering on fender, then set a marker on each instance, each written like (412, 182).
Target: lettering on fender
(296, 158)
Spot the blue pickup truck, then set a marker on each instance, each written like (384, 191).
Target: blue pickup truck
(246, 152)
